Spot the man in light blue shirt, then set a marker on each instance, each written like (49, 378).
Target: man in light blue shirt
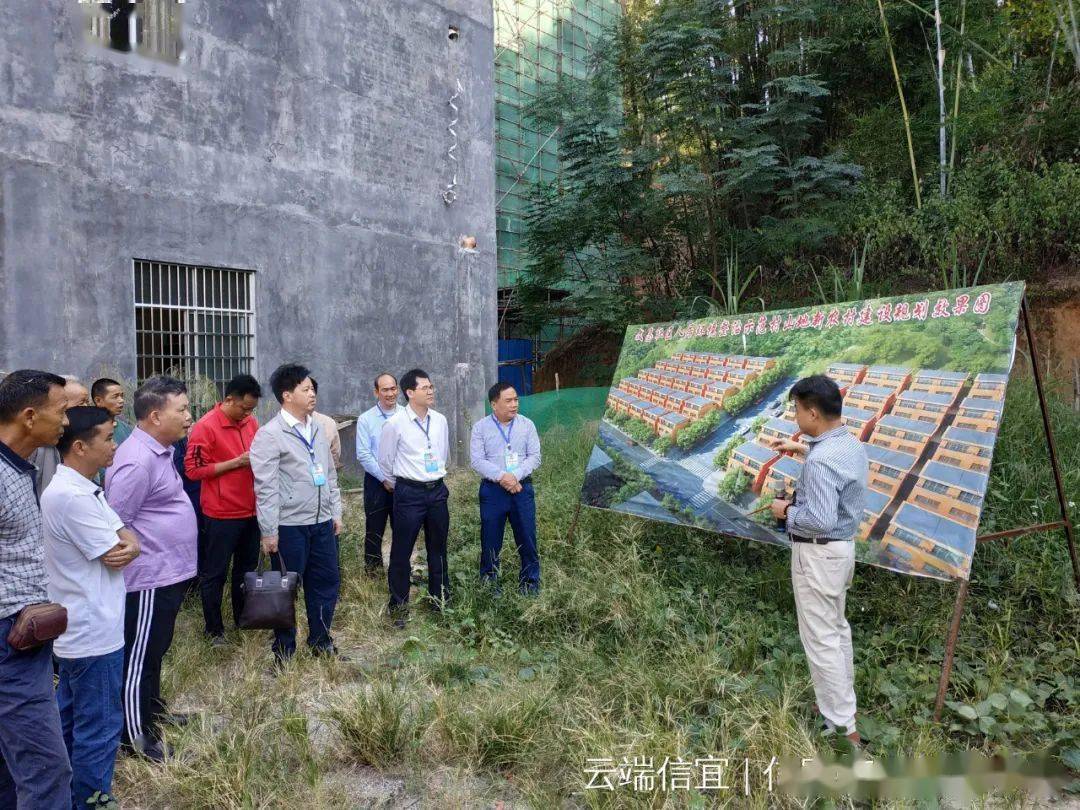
(505, 450)
(378, 492)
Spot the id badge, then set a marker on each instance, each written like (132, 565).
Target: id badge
(512, 461)
(318, 475)
(430, 463)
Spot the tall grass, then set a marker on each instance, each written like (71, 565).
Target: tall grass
(646, 640)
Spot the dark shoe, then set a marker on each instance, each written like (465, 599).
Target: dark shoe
(218, 642)
(147, 748)
(399, 616)
(175, 719)
(373, 570)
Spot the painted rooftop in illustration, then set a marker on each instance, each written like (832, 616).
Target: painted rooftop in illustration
(901, 370)
(992, 379)
(846, 367)
(781, 425)
(979, 438)
(967, 480)
(788, 466)
(858, 414)
(980, 404)
(872, 390)
(755, 451)
(890, 458)
(937, 528)
(938, 374)
(922, 396)
(912, 425)
(875, 502)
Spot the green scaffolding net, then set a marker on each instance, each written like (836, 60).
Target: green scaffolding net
(568, 408)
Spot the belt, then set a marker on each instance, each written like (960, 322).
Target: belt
(820, 541)
(420, 484)
(526, 480)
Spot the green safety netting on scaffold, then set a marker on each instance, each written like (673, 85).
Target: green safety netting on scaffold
(568, 408)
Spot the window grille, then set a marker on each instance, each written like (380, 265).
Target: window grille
(192, 322)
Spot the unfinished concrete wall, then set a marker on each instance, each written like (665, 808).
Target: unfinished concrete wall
(304, 141)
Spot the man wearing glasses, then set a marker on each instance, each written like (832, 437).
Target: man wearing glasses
(378, 491)
(413, 450)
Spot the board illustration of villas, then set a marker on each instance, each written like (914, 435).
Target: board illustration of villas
(693, 407)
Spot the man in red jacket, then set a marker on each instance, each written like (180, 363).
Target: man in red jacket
(217, 456)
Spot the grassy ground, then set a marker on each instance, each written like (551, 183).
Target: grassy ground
(647, 640)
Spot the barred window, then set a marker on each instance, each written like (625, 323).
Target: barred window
(193, 322)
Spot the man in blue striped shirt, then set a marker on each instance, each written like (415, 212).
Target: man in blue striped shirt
(505, 451)
(822, 519)
(378, 492)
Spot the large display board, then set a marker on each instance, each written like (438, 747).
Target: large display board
(692, 406)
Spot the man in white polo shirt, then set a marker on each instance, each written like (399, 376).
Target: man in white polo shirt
(86, 546)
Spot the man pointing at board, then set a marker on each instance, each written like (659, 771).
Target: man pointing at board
(822, 518)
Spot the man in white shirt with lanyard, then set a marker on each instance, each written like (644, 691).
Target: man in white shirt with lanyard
(413, 451)
(378, 492)
(505, 451)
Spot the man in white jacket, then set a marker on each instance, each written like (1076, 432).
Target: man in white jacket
(298, 505)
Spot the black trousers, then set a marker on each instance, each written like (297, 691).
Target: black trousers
(378, 509)
(149, 621)
(236, 540)
(415, 508)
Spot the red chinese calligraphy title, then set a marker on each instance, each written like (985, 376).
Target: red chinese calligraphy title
(866, 315)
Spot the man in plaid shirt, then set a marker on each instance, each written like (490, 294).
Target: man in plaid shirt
(34, 767)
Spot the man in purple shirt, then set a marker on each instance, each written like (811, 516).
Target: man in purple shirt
(146, 492)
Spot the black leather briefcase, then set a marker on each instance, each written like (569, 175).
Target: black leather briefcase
(269, 598)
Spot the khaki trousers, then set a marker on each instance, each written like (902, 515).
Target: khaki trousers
(820, 578)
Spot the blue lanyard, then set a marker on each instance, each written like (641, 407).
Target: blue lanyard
(309, 445)
(426, 429)
(510, 431)
(380, 410)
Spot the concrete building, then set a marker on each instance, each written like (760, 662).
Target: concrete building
(272, 191)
